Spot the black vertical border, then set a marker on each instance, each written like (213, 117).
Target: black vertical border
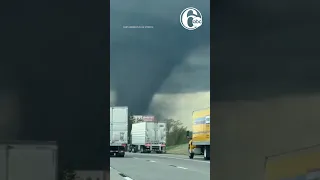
(107, 111)
(104, 7)
(211, 85)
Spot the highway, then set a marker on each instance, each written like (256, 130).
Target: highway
(137, 166)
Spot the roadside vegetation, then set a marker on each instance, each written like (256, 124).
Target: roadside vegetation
(178, 149)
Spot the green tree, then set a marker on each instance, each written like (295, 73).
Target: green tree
(176, 132)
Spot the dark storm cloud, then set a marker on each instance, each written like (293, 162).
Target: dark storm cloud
(142, 59)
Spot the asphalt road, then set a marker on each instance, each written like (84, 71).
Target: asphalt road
(137, 166)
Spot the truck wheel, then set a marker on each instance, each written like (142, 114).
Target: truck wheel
(191, 155)
(134, 150)
(206, 153)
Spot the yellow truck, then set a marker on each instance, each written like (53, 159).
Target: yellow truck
(199, 143)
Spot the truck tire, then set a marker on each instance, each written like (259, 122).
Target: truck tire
(134, 150)
(206, 153)
(143, 150)
(121, 155)
(191, 154)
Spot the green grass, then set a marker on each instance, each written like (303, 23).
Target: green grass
(178, 149)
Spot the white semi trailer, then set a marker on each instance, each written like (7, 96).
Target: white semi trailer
(28, 160)
(118, 130)
(148, 136)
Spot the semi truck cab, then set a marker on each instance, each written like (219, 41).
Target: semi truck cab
(118, 150)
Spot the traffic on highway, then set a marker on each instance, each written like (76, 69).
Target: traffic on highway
(146, 156)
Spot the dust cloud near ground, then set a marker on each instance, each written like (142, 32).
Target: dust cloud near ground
(180, 106)
(193, 73)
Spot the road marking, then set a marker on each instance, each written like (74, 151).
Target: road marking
(146, 160)
(121, 174)
(186, 159)
(177, 166)
(111, 168)
(125, 176)
(177, 158)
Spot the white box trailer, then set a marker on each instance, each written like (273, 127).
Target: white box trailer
(148, 136)
(28, 161)
(118, 130)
